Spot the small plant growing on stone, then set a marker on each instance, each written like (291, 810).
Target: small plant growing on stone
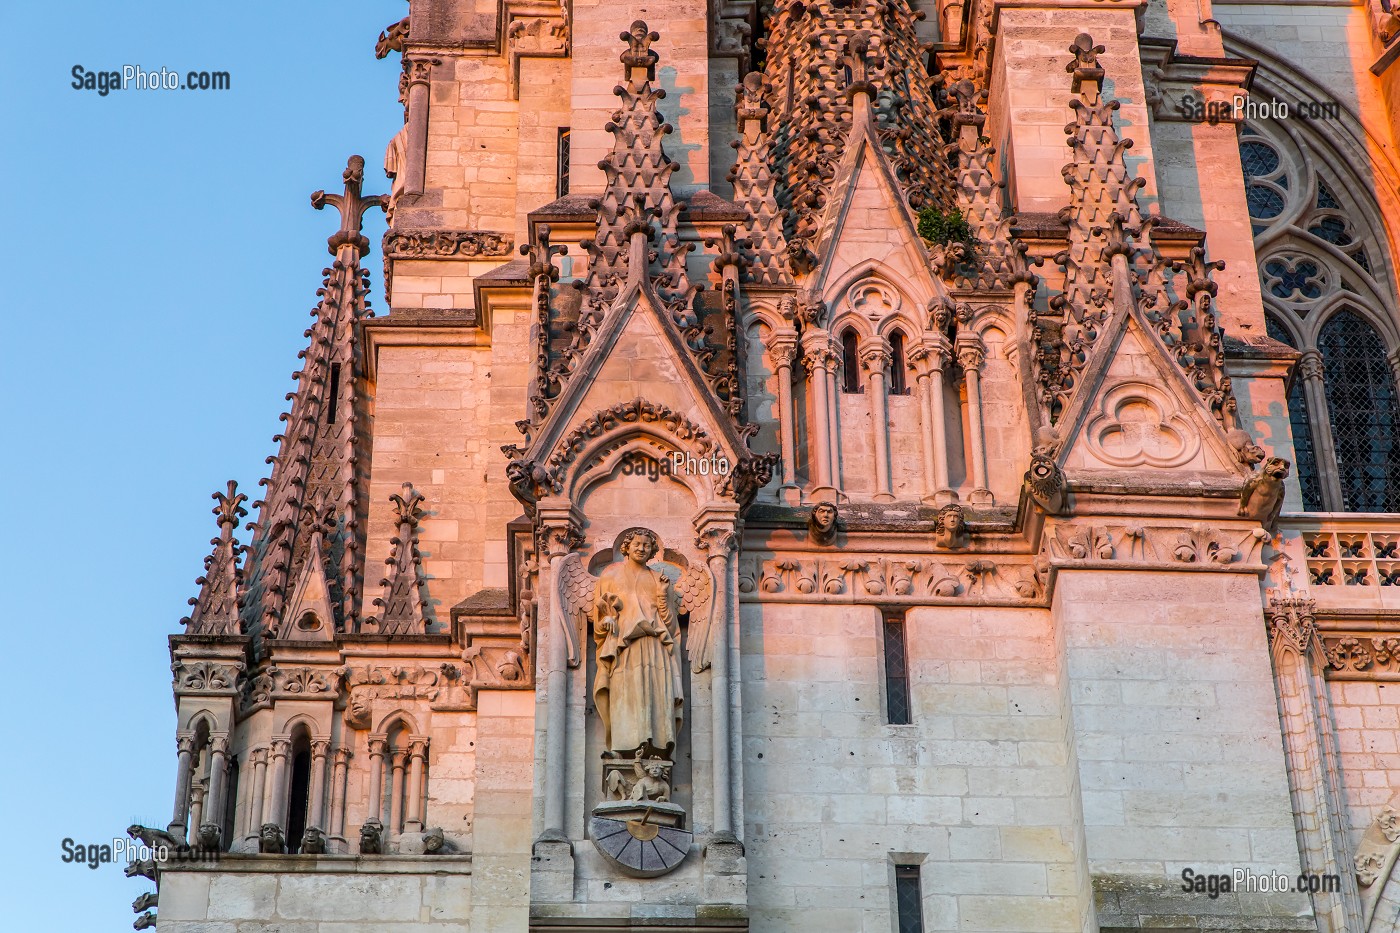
(935, 226)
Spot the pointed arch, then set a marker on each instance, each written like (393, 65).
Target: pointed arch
(1364, 411)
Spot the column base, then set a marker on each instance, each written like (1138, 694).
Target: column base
(824, 494)
(883, 497)
(941, 497)
(981, 497)
(790, 495)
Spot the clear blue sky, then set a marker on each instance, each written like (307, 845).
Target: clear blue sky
(161, 257)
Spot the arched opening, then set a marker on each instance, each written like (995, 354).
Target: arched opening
(230, 805)
(850, 361)
(1304, 452)
(1362, 407)
(899, 365)
(299, 793)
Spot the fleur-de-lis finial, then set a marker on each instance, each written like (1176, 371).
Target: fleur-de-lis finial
(352, 206)
(230, 505)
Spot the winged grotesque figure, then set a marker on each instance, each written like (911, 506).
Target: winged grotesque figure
(633, 611)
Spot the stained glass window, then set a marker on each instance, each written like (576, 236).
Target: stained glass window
(1364, 413)
(1305, 466)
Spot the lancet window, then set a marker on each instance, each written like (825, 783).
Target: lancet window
(1327, 286)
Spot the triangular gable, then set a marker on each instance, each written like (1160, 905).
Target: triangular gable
(867, 218)
(311, 598)
(1135, 409)
(636, 351)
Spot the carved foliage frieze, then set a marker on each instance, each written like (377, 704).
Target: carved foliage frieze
(1199, 546)
(887, 578)
(206, 677)
(447, 244)
(1362, 656)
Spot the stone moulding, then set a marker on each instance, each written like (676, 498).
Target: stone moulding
(1124, 545)
(447, 244)
(1362, 655)
(887, 578)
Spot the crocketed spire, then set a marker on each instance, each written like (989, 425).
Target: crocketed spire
(809, 80)
(216, 607)
(314, 489)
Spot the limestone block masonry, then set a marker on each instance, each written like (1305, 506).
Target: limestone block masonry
(832, 466)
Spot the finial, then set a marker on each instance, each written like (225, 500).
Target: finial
(352, 206)
(639, 54)
(230, 505)
(1085, 66)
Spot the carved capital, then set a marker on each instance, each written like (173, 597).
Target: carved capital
(418, 70)
(281, 747)
(320, 748)
(931, 355)
(258, 756)
(377, 747)
(184, 743)
(972, 352)
(342, 756)
(1310, 365)
(418, 748)
(218, 743)
(1293, 626)
(875, 354)
(399, 759)
(717, 542)
(782, 348)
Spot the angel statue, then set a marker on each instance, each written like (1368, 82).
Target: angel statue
(634, 613)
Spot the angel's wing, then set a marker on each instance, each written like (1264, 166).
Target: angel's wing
(575, 587)
(693, 590)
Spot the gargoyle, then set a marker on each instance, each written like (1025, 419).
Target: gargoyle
(270, 839)
(434, 841)
(372, 838)
(145, 868)
(1261, 499)
(154, 838)
(145, 902)
(1046, 483)
(209, 836)
(313, 841)
(145, 921)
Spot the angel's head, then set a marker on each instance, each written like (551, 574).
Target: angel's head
(639, 544)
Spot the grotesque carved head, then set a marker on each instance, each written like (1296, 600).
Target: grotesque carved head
(1277, 467)
(270, 838)
(357, 714)
(371, 837)
(823, 523)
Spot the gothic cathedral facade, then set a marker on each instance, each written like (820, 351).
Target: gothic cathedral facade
(843, 466)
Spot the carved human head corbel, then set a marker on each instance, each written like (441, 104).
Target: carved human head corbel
(951, 531)
(823, 524)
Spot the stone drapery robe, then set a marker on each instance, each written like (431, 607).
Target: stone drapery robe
(637, 689)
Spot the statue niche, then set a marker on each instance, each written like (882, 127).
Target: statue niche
(636, 631)
(634, 611)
